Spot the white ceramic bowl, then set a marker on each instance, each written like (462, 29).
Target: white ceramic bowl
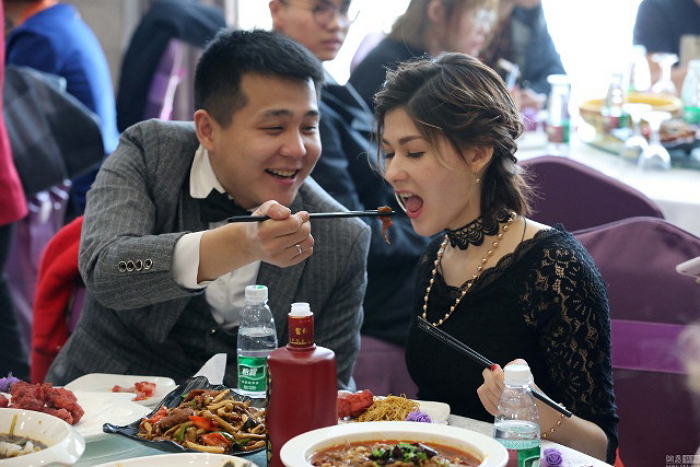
(185, 459)
(297, 451)
(65, 444)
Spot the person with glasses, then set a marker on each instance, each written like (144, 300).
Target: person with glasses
(427, 28)
(347, 172)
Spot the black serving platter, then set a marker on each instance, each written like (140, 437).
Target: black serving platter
(173, 399)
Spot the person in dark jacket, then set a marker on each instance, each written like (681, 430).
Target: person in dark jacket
(346, 171)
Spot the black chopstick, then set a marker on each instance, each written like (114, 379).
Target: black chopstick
(320, 215)
(464, 349)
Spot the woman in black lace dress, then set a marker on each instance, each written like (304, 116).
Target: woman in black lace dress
(507, 286)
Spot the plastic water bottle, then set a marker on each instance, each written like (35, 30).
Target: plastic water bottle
(517, 422)
(690, 93)
(257, 337)
(558, 120)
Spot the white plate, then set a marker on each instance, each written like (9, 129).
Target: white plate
(104, 382)
(185, 459)
(297, 450)
(101, 408)
(438, 411)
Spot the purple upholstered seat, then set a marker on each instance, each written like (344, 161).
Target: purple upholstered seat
(368, 42)
(579, 196)
(168, 75)
(650, 305)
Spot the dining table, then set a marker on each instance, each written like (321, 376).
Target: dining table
(675, 191)
(115, 447)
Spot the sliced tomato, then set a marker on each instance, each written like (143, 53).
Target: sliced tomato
(204, 423)
(216, 438)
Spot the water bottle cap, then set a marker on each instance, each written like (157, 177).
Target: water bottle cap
(256, 293)
(300, 309)
(517, 375)
(558, 79)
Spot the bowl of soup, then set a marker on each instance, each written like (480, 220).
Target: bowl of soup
(29, 438)
(350, 444)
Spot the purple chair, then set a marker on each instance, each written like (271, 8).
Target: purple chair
(650, 306)
(47, 214)
(579, 196)
(381, 368)
(161, 94)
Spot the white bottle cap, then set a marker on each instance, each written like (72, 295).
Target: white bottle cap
(300, 309)
(256, 293)
(558, 79)
(517, 374)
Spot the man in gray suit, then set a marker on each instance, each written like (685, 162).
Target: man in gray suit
(165, 273)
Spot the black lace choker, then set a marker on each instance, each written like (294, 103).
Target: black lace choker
(475, 231)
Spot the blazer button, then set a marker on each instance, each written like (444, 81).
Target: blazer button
(147, 263)
(121, 266)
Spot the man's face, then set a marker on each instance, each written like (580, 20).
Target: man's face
(319, 25)
(271, 144)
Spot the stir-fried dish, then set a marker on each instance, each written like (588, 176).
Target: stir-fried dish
(393, 454)
(209, 421)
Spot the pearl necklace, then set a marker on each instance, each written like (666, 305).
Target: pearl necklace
(469, 284)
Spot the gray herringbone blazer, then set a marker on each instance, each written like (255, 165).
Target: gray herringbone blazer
(140, 321)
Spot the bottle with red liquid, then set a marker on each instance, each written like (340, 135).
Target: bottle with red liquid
(302, 388)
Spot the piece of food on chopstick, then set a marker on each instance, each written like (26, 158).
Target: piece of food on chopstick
(386, 221)
(208, 421)
(142, 389)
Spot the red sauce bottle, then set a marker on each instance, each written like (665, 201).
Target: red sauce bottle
(302, 388)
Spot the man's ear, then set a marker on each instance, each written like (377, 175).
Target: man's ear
(436, 12)
(276, 12)
(205, 126)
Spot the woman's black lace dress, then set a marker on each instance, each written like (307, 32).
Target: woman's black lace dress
(546, 303)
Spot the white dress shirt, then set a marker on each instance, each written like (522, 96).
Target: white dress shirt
(225, 294)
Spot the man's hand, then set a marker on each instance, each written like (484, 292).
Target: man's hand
(283, 240)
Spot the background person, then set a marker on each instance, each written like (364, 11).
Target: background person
(427, 27)
(660, 25)
(165, 273)
(51, 37)
(346, 171)
(522, 38)
(505, 285)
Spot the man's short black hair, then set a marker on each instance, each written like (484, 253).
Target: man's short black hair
(233, 53)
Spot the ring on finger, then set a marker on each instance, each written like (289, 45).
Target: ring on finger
(299, 249)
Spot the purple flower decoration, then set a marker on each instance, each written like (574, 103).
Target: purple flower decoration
(6, 383)
(418, 416)
(551, 457)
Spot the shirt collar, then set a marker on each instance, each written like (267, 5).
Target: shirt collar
(202, 177)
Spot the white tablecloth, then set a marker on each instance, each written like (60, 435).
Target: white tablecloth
(676, 191)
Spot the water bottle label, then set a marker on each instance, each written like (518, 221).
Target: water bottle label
(558, 133)
(691, 114)
(523, 458)
(252, 374)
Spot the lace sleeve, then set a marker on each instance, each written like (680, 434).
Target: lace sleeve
(566, 301)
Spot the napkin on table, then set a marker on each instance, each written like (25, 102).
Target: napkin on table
(214, 369)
